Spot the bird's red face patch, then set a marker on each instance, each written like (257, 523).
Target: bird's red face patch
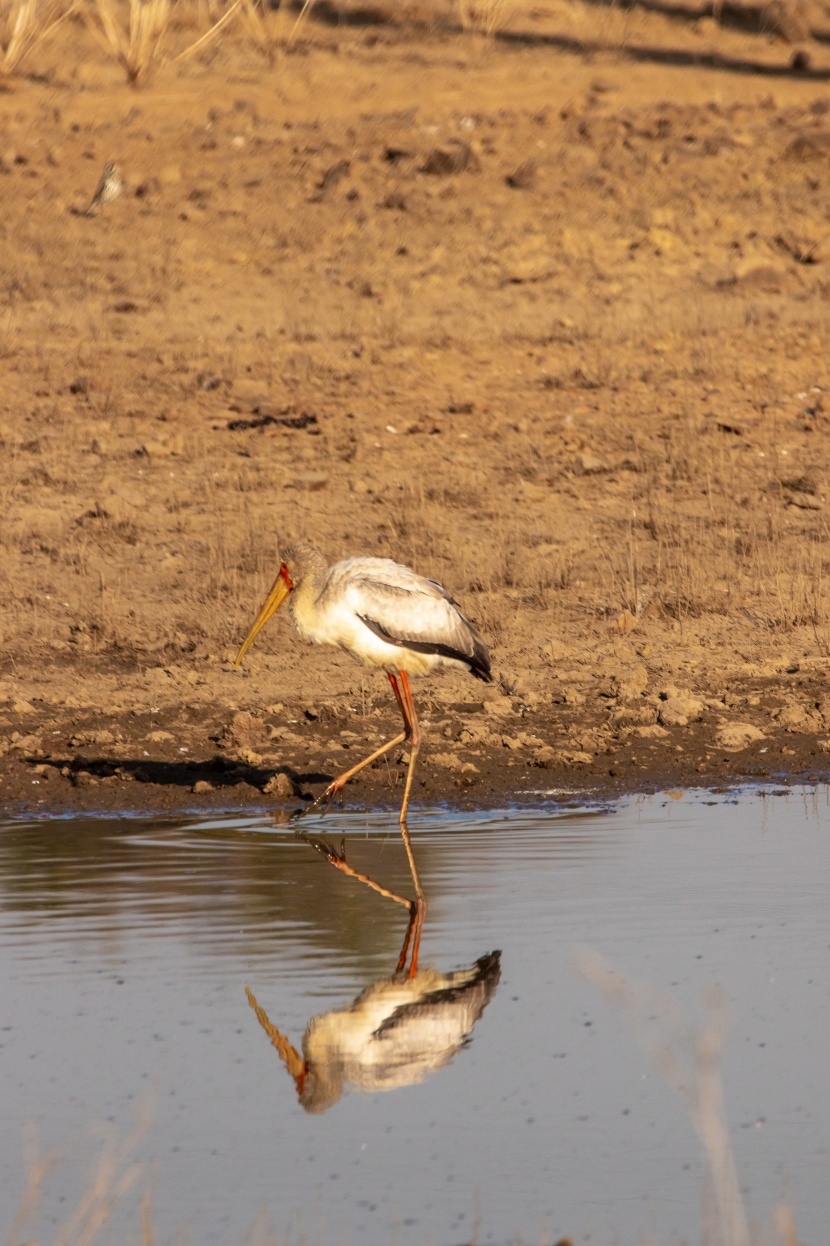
(289, 583)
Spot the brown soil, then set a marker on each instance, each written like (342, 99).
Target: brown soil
(544, 315)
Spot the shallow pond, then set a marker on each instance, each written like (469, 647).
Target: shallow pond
(511, 1103)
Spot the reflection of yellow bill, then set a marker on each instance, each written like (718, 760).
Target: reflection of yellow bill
(282, 587)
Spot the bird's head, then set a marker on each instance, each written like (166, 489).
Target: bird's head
(281, 588)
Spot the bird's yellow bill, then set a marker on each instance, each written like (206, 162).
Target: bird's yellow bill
(289, 1055)
(272, 604)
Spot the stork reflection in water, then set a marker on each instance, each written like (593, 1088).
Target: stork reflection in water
(396, 1033)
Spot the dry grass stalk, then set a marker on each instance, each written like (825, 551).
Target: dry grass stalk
(23, 24)
(690, 1064)
(137, 45)
(36, 1172)
(267, 25)
(204, 41)
(485, 17)
(115, 1175)
(264, 25)
(301, 16)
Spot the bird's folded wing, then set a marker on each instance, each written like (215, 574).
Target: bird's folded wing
(418, 616)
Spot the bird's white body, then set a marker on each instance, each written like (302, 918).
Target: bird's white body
(340, 608)
(396, 1032)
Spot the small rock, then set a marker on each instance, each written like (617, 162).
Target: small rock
(796, 718)
(624, 623)
(281, 785)
(588, 464)
(548, 757)
(634, 716)
(652, 731)
(737, 735)
(633, 683)
(679, 709)
(249, 756)
(527, 687)
(203, 785)
(156, 737)
(311, 482)
(500, 706)
(454, 157)
(760, 273)
(26, 743)
(91, 737)
(820, 254)
(82, 778)
(244, 730)
(23, 707)
(448, 761)
(523, 740)
(522, 178)
(804, 501)
(334, 174)
(525, 265)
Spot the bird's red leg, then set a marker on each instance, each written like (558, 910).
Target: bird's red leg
(411, 718)
(408, 708)
(393, 681)
(325, 798)
(417, 908)
(416, 921)
(339, 862)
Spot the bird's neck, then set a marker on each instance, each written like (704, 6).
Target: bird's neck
(307, 591)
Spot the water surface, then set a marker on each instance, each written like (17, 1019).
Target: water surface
(126, 946)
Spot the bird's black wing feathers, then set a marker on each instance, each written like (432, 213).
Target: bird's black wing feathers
(478, 661)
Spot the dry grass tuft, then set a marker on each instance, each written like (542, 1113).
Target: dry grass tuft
(264, 25)
(23, 25)
(135, 45)
(135, 39)
(268, 28)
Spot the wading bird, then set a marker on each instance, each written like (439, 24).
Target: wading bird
(388, 617)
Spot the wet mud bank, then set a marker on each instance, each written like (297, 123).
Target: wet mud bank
(477, 754)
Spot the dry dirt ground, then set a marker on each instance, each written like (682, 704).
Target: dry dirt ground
(542, 314)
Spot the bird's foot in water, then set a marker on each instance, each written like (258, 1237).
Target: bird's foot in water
(320, 804)
(326, 850)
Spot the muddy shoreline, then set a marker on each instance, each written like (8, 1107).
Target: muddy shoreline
(482, 754)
